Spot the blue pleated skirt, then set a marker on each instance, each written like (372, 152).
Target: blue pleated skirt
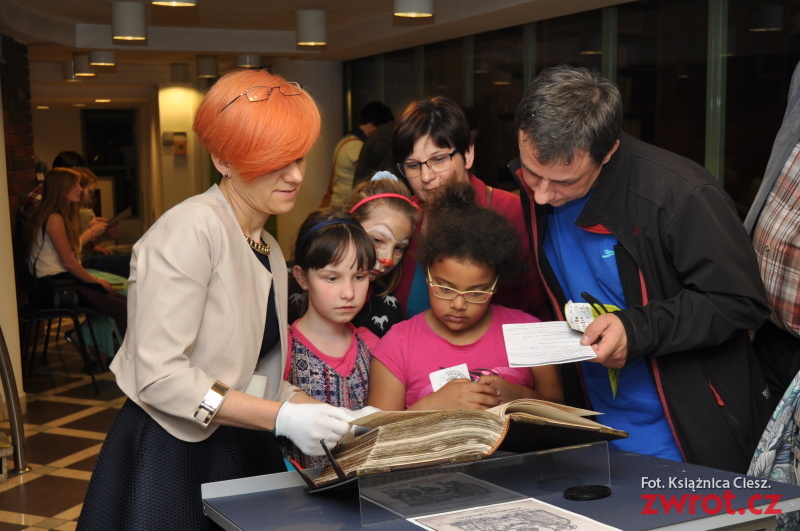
(146, 479)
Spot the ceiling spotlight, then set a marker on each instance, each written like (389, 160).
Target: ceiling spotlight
(69, 72)
(175, 3)
(80, 62)
(43, 107)
(207, 66)
(102, 100)
(248, 60)
(102, 58)
(768, 18)
(312, 28)
(591, 45)
(128, 21)
(482, 67)
(502, 77)
(79, 105)
(413, 8)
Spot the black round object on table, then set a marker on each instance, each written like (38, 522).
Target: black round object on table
(587, 492)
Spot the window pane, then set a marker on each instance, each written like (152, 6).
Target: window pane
(497, 78)
(662, 73)
(574, 39)
(444, 67)
(760, 66)
(364, 83)
(401, 80)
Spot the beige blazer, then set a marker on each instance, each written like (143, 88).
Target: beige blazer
(197, 304)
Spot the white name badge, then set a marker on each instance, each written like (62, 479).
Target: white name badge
(441, 377)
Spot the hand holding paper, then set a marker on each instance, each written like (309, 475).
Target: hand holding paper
(532, 344)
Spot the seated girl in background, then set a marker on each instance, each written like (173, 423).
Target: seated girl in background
(328, 357)
(466, 252)
(53, 248)
(96, 230)
(384, 208)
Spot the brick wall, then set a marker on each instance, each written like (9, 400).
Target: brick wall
(17, 121)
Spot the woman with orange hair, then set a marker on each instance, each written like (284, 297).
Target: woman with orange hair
(202, 361)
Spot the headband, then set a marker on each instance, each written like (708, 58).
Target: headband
(322, 225)
(379, 196)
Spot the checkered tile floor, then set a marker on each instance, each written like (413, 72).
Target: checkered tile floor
(65, 425)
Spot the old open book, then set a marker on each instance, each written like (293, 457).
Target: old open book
(410, 439)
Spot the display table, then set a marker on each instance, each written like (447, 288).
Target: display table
(642, 487)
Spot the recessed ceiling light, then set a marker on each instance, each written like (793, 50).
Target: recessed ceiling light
(102, 100)
(81, 65)
(174, 3)
(102, 58)
(413, 8)
(79, 105)
(128, 22)
(43, 107)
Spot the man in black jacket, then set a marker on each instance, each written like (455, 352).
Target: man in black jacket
(651, 238)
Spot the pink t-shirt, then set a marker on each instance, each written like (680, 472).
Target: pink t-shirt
(411, 351)
(342, 365)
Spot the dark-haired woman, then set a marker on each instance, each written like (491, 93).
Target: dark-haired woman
(432, 146)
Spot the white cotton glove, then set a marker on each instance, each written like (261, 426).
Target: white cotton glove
(357, 413)
(308, 424)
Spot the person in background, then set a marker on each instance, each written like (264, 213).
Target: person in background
(432, 146)
(328, 357)
(375, 154)
(203, 359)
(52, 245)
(95, 230)
(68, 159)
(774, 222)
(65, 159)
(622, 224)
(52, 236)
(347, 151)
(384, 208)
(467, 252)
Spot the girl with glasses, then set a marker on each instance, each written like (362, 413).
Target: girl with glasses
(452, 356)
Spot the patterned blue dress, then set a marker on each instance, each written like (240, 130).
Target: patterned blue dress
(323, 382)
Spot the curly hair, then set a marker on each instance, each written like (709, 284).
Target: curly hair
(456, 228)
(387, 283)
(256, 137)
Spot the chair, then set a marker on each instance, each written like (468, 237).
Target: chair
(31, 317)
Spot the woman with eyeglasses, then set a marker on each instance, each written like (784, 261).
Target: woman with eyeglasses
(432, 145)
(452, 356)
(203, 359)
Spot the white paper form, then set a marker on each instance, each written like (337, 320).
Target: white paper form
(532, 344)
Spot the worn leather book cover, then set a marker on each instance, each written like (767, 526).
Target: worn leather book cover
(395, 440)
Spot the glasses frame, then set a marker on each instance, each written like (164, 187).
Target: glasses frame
(269, 93)
(489, 292)
(425, 162)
